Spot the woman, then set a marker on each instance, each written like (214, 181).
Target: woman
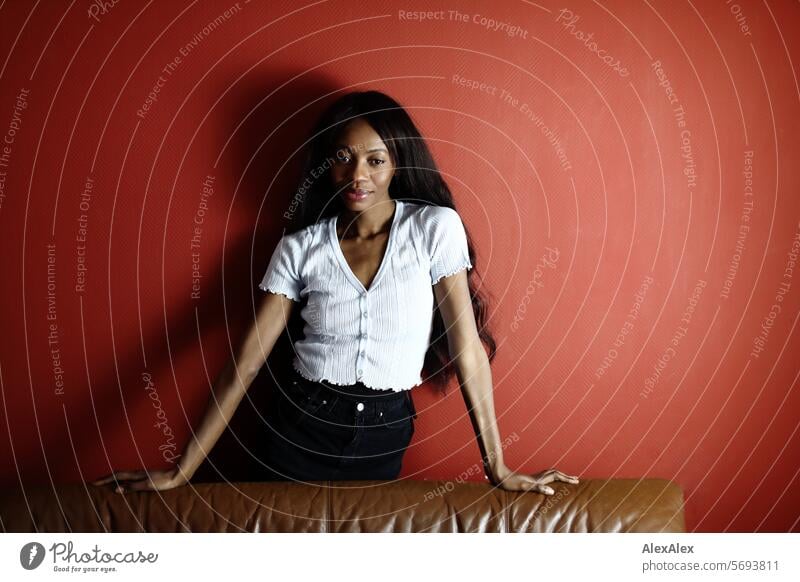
(383, 260)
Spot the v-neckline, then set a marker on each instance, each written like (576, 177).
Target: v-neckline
(334, 238)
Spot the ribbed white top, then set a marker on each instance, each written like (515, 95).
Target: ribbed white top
(379, 335)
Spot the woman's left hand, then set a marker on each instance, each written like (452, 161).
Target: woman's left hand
(513, 481)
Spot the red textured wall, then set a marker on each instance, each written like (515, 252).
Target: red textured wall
(636, 221)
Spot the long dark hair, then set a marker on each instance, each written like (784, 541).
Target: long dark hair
(416, 179)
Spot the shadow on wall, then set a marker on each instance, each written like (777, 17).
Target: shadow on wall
(238, 454)
(259, 148)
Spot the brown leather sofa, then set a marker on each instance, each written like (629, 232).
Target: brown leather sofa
(594, 505)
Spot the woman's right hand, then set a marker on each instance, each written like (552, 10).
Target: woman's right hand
(142, 480)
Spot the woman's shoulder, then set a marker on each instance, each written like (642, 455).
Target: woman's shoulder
(308, 233)
(431, 213)
(297, 243)
(433, 223)
(435, 219)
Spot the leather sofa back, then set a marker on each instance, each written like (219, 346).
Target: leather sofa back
(615, 505)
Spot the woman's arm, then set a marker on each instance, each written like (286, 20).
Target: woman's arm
(235, 378)
(475, 377)
(228, 391)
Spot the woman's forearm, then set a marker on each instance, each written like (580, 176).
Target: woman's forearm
(228, 391)
(234, 380)
(475, 376)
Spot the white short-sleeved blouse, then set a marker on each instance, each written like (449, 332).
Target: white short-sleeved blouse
(377, 336)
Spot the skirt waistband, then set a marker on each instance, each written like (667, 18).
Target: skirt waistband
(357, 390)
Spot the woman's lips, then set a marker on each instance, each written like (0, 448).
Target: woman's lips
(356, 195)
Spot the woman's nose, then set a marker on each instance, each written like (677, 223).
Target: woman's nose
(359, 171)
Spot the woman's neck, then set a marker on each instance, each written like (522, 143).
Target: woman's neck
(367, 223)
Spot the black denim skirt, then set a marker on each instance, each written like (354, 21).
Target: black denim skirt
(320, 431)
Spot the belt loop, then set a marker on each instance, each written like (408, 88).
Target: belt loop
(411, 404)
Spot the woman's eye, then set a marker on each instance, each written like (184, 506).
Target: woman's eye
(343, 157)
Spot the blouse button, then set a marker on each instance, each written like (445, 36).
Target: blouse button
(360, 372)
(362, 352)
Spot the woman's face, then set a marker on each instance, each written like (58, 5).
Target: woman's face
(362, 168)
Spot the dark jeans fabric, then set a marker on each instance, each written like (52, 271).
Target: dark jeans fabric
(320, 431)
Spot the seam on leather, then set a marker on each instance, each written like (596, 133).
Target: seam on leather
(326, 523)
(506, 512)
